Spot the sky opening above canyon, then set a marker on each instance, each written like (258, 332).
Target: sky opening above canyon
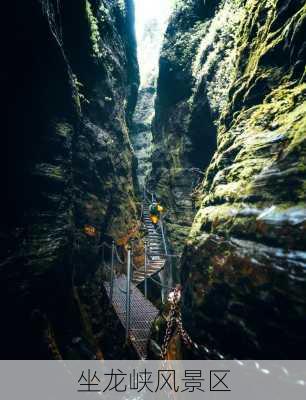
(151, 19)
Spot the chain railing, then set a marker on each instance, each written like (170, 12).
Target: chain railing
(114, 281)
(173, 292)
(161, 228)
(170, 324)
(119, 259)
(175, 322)
(175, 316)
(168, 260)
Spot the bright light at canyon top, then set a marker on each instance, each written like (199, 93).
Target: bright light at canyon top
(151, 18)
(147, 10)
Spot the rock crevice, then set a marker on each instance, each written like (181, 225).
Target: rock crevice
(70, 79)
(231, 103)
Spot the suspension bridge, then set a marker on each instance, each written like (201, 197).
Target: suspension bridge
(134, 310)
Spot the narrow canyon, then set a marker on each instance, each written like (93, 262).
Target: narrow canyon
(111, 106)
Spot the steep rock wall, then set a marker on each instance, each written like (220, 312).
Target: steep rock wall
(142, 133)
(180, 152)
(244, 266)
(149, 44)
(70, 81)
(231, 102)
(144, 111)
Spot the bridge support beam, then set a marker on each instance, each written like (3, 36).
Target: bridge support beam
(128, 296)
(145, 269)
(169, 266)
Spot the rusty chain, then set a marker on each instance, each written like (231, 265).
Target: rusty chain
(175, 318)
(184, 335)
(171, 322)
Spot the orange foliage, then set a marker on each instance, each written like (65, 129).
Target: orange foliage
(123, 241)
(90, 230)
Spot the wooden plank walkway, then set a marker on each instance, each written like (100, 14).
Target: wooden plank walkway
(142, 314)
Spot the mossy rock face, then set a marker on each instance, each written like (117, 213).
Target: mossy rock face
(70, 97)
(196, 69)
(241, 121)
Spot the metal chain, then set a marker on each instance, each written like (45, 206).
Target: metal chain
(170, 323)
(118, 286)
(175, 317)
(184, 335)
(118, 257)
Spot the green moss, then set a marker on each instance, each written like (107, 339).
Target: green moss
(51, 171)
(79, 87)
(94, 29)
(63, 129)
(122, 6)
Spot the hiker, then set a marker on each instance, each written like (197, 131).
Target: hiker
(155, 211)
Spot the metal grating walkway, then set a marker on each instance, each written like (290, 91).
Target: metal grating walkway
(142, 313)
(156, 252)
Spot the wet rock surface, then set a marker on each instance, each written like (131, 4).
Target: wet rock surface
(231, 103)
(70, 79)
(227, 161)
(148, 46)
(142, 134)
(180, 114)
